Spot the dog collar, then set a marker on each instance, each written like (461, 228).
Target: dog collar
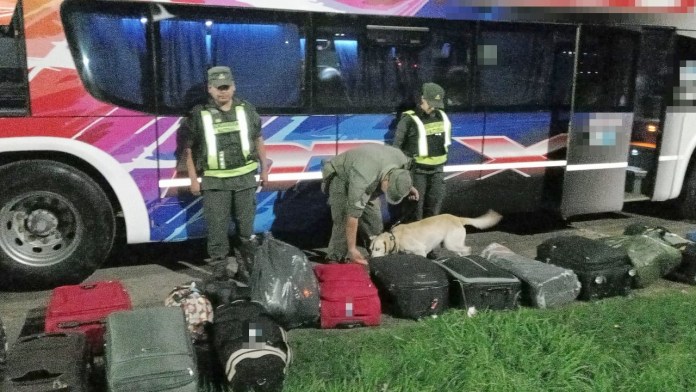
(393, 240)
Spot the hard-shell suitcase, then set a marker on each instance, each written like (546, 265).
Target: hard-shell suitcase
(650, 257)
(477, 283)
(84, 308)
(410, 286)
(56, 362)
(149, 350)
(603, 271)
(251, 346)
(543, 285)
(348, 296)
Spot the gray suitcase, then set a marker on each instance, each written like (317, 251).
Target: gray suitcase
(149, 350)
(543, 285)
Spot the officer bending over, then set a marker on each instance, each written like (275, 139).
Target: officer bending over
(354, 181)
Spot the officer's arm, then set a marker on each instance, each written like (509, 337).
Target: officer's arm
(191, 141)
(401, 129)
(191, 169)
(351, 239)
(255, 121)
(261, 149)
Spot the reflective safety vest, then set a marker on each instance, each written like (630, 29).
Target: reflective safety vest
(436, 136)
(212, 127)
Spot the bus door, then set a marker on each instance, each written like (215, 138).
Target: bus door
(525, 79)
(600, 126)
(654, 72)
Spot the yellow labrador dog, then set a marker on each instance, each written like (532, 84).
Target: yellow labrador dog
(423, 236)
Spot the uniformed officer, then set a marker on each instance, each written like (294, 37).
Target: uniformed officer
(354, 181)
(425, 134)
(225, 142)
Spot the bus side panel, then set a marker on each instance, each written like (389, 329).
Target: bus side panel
(515, 143)
(673, 160)
(295, 147)
(597, 151)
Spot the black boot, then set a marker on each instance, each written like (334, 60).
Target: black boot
(219, 269)
(246, 260)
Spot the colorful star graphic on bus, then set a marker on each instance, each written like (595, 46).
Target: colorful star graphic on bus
(502, 153)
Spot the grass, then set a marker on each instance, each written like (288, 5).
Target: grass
(639, 343)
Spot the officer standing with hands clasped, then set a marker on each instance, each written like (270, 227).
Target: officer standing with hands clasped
(354, 180)
(425, 134)
(225, 142)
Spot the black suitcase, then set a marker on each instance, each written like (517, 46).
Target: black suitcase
(686, 271)
(410, 286)
(478, 283)
(603, 271)
(3, 349)
(252, 348)
(56, 362)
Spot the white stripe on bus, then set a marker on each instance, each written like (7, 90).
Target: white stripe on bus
(597, 166)
(664, 158)
(280, 177)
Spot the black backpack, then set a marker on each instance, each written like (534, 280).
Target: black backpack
(252, 348)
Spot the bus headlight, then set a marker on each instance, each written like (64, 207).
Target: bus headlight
(600, 279)
(632, 272)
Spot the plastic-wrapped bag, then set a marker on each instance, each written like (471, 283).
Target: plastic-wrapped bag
(283, 281)
(651, 257)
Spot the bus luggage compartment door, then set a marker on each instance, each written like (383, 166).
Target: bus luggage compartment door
(596, 169)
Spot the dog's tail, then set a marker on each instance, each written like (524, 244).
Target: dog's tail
(489, 219)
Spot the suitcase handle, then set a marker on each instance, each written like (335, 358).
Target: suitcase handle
(76, 324)
(494, 289)
(350, 324)
(88, 286)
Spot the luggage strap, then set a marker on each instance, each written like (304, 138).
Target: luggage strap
(392, 238)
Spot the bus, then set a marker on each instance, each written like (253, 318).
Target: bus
(574, 115)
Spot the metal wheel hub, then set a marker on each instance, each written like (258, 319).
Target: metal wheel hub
(42, 223)
(39, 228)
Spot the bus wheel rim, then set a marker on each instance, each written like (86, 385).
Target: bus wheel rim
(40, 228)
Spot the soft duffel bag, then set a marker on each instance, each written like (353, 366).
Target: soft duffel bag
(251, 346)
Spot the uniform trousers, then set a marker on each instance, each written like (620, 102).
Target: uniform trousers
(369, 223)
(431, 191)
(220, 208)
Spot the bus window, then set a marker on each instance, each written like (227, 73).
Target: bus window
(110, 51)
(267, 60)
(519, 66)
(379, 67)
(13, 77)
(605, 70)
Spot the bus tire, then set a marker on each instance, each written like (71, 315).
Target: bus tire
(687, 200)
(56, 225)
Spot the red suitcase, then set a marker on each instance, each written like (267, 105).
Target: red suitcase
(84, 308)
(348, 296)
